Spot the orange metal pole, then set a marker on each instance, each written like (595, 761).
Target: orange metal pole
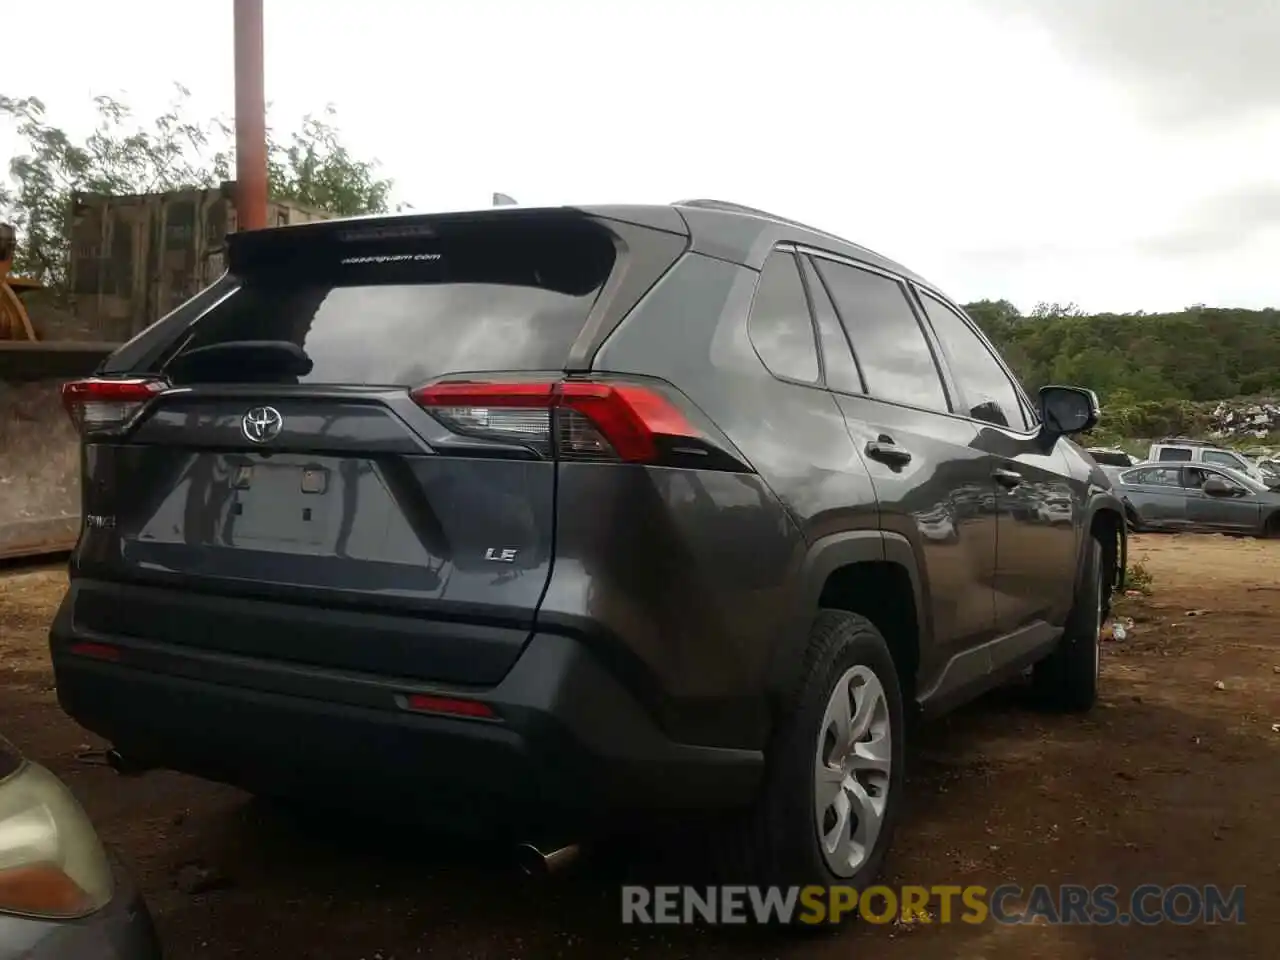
(251, 118)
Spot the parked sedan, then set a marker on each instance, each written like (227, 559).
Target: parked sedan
(61, 897)
(1171, 496)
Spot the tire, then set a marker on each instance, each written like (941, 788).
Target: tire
(1132, 519)
(1068, 678)
(780, 842)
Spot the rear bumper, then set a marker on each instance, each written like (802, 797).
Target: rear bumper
(569, 739)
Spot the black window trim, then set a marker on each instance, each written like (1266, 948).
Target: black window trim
(949, 393)
(821, 382)
(803, 260)
(920, 290)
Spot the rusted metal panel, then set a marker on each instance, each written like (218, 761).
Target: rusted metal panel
(22, 361)
(39, 470)
(135, 258)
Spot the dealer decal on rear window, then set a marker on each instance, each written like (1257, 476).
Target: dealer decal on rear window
(393, 258)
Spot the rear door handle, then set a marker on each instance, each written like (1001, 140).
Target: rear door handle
(1007, 478)
(888, 452)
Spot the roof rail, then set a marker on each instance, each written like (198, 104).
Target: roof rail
(725, 206)
(1189, 441)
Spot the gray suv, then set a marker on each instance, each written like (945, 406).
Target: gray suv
(548, 517)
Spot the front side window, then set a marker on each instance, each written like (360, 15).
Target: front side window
(1195, 477)
(989, 393)
(779, 324)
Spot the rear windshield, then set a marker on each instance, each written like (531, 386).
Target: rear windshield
(401, 311)
(1175, 454)
(1110, 458)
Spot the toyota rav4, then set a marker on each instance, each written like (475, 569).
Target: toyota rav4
(568, 516)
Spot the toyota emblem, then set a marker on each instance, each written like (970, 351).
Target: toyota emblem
(262, 424)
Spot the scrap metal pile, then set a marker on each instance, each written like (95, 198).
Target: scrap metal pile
(1245, 418)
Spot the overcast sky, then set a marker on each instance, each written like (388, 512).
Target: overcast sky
(1124, 154)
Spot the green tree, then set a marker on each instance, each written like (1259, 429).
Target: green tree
(314, 168)
(171, 151)
(1154, 372)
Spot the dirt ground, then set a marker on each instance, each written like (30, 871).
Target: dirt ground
(1175, 778)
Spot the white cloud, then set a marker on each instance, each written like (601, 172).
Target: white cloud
(977, 148)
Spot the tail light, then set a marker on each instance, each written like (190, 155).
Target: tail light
(570, 420)
(101, 404)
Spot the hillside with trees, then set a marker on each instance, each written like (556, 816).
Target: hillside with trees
(1155, 373)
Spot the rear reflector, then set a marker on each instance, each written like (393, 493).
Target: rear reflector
(100, 404)
(425, 703)
(96, 651)
(571, 420)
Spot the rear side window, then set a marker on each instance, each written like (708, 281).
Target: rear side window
(989, 393)
(1157, 476)
(779, 325)
(892, 352)
(1174, 454)
(1107, 458)
(400, 311)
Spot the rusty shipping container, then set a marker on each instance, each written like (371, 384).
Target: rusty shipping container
(135, 258)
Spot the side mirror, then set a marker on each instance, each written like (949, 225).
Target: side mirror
(1068, 410)
(1217, 487)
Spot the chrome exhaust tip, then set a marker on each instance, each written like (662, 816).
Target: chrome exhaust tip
(122, 765)
(534, 862)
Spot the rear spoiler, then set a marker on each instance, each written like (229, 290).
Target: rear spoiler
(244, 247)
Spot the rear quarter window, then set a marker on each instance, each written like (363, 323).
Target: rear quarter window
(779, 324)
(398, 312)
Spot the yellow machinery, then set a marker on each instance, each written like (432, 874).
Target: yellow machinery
(14, 322)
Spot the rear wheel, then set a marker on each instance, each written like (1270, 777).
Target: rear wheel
(834, 776)
(1068, 678)
(1271, 529)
